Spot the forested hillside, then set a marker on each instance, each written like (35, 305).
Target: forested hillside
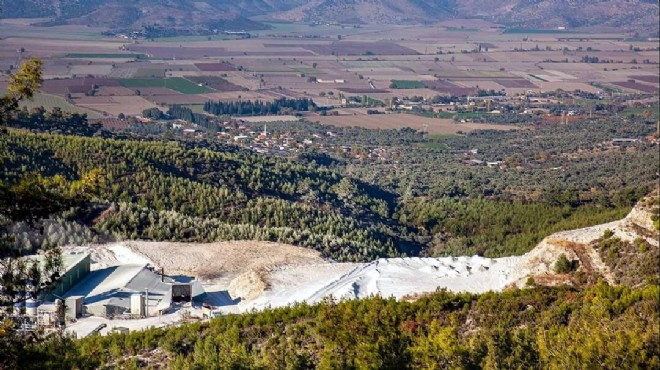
(423, 201)
(162, 190)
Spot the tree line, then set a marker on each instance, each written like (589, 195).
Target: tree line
(259, 107)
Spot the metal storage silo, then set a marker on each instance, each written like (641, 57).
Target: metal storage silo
(137, 305)
(31, 305)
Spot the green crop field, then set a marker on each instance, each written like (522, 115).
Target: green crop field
(372, 101)
(470, 115)
(51, 101)
(186, 86)
(175, 83)
(196, 108)
(536, 31)
(105, 55)
(445, 115)
(429, 114)
(407, 84)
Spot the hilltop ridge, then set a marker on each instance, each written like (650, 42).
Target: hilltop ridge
(638, 15)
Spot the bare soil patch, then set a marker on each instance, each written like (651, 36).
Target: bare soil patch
(360, 48)
(94, 100)
(266, 119)
(209, 261)
(215, 67)
(397, 121)
(363, 91)
(121, 104)
(174, 52)
(177, 99)
(636, 86)
(516, 83)
(156, 91)
(75, 85)
(113, 91)
(449, 88)
(647, 78)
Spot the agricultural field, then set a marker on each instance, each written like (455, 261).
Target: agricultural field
(648, 78)
(90, 70)
(214, 67)
(449, 88)
(104, 56)
(359, 118)
(454, 57)
(516, 83)
(149, 73)
(633, 85)
(114, 105)
(49, 102)
(407, 84)
(216, 83)
(176, 99)
(178, 84)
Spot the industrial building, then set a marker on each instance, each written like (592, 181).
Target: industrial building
(76, 267)
(127, 291)
(49, 309)
(133, 291)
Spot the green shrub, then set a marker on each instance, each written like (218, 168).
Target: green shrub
(530, 282)
(564, 265)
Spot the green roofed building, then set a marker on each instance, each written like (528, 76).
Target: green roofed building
(74, 268)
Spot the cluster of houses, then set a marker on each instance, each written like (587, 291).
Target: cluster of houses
(530, 103)
(469, 160)
(245, 135)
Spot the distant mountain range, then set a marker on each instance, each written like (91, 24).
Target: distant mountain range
(194, 16)
(639, 15)
(225, 14)
(626, 14)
